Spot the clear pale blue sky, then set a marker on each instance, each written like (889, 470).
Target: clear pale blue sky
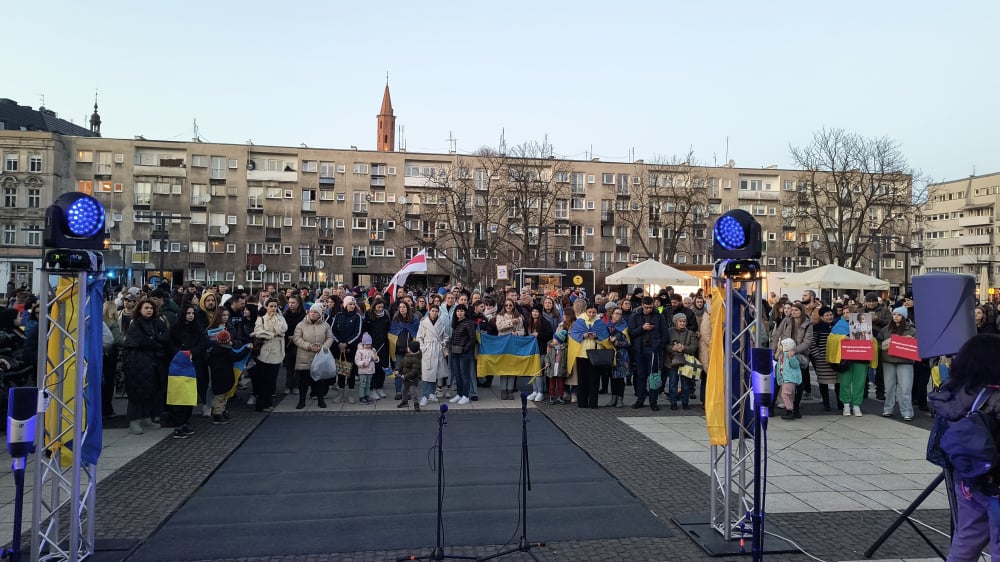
(606, 77)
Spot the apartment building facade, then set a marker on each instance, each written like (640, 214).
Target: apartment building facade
(959, 230)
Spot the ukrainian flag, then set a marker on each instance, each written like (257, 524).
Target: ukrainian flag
(508, 355)
(182, 382)
(716, 416)
(238, 367)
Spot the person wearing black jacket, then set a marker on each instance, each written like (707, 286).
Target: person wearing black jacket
(241, 321)
(347, 329)
(377, 322)
(460, 352)
(542, 329)
(293, 315)
(187, 335)
(677, 307)
(220, 364)
(145, 354)
(648, 331)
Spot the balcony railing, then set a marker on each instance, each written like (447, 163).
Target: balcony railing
(142, 198)
(357, 261)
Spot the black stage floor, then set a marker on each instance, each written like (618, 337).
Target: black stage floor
(307, 484)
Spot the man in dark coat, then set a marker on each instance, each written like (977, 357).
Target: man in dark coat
(648, 331)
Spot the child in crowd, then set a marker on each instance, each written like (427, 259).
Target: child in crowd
(410, 372)
(220, 366)
(789, 376)
(556, 370)
(365, 358)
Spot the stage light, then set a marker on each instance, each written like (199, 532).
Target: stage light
(737, 236)
(74, 221)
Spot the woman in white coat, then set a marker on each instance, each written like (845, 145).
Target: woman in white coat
(269, 328)
(433, 339)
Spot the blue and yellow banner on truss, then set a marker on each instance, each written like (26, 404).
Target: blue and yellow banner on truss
(508, 356)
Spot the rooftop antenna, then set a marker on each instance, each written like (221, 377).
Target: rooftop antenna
(197, 137)
(503, 143)
(41, 97)
(452, 143)
(727, 148)
(402, 138)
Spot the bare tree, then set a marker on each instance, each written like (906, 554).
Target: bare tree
(851, 190)
(537, 197)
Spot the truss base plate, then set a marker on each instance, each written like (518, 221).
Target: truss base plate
(698, 528)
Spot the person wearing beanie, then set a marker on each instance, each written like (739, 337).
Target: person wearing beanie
(221, 358)
(366, 359)
(825, 375)
(789, 376)
(310, 336)
(680, 342)
(293, 313)
(897, 372)
(410, 373)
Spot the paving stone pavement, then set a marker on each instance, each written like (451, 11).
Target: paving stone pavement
(139, 497)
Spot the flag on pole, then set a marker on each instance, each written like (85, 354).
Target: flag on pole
(416, 263)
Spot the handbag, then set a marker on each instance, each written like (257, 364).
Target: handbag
(601, 357)
(258, 345)
(655, 380)
(344, 366)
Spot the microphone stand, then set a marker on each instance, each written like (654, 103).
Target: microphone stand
(764, 390)
(522, 544)
(438, 553)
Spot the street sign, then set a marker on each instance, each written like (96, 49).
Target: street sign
(262, 268)
(320, 264)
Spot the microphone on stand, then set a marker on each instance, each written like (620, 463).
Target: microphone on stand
(444, 408)
(524, 399)
(762, 379)
(21, 415)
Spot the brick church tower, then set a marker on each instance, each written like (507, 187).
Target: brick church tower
(386, 124)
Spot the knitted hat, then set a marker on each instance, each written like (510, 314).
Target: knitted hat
(901, 311)
(679, 316)
(366, 339)
(348, 300)
(787, 344)
(223, 338)
(317, 307)
(610, 306)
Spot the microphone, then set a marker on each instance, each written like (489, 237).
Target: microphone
(22, 408)
(761, 371)
(444, 408)
(524, 399)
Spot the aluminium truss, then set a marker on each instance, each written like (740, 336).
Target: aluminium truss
(64, 493)
(732, 467)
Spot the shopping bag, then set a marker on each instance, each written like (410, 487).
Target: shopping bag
(344, 366)
(323, 366)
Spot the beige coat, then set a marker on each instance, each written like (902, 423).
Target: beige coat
(306, 334)
(705, 341)
(272, 330)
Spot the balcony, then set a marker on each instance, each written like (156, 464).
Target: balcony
(359, 262)
(748, 195)
(378, 182)
(160, 233)
(607, 217)
(141, 200)
(621, 243)
(253, 260)
(272, 234)
(215, 232)
(327, 181)
(412, 211)
(981, 220)
(168, 167)
(714, 196)
(417, 181)
(325, 235)
(268, 175)
(975, 239)
(197, 260)
(973, 260)
(576, 243)
(578, 190)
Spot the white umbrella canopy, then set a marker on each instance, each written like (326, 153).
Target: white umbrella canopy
(651, 272)
(835, 277)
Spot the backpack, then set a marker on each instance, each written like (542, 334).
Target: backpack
(970, 445)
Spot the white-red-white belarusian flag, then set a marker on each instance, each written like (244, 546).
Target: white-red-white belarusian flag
(416, 264)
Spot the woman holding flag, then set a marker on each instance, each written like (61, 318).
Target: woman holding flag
(619, 338)
(509, 322)
(588, 332)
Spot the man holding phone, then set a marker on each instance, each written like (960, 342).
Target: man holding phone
(647, 329)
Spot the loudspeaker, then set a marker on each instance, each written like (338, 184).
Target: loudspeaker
(22, 407)
(944, 312)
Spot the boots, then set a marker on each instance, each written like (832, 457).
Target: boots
(352, 395)
(612, 403)
(147, 423)
(135, 428)
(302, 402)
(620, 401)
(403, 404)
(338, 395)
(321, 402)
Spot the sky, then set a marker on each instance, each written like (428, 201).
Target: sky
(620, 80)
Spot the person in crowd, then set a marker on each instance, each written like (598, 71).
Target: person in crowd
(983, 324)
(676, 306)
(109, 370)
(347, 329)
(588, 332)
(509, 321)
(311, 335)
(433, 340)
(811, 304)
(167, 307)
(146, 357)
(897, 371)
(377, 324)
(647, 330)
(789, 377)
(404, 326)
(551, 313)
(366, 361)
(681, 342)
(539, 328)
(609, 308)
(798, 327)
(977, 513)
(881, 317)
(922, 368)
(11, 335)
(825, 375)
(293, 313)
(221, 358)
(410, 373)
(557, 358)
(187, 335)
(853, 380)
(618, 336)
(269, 331)
(461, 348)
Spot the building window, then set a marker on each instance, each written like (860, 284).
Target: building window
(10, 163)
(10, 197)
(608, 179)
(9, 235)
(35, 237)
(85, 156)
(34, 198)
(35, 164)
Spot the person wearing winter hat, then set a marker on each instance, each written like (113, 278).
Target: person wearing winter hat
(897, 371)
(409, 371)
(221, 357)
(365, 358)
(311, 335)
(789, 376)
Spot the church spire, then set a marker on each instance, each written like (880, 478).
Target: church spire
(95, 118)
(386, 123)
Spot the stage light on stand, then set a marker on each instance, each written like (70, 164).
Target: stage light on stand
(737, 236)
(74, 221)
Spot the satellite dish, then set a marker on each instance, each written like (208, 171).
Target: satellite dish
(251, 165)
(206, 199)
(320, 264)
(224, 230)
(402, 200)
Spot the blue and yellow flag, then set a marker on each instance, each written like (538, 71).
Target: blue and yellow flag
(716, 416)
(508, 355)
(182, 382)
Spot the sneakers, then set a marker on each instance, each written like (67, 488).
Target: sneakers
(399, 396)
(449, 393)
(403, 404)
(573, 399)
(455, 399)
(779, 406)
(226, 416)
(380, 392)
(439, 392)
(847, 409)
(474, 398)
(135, 428)
(857, 411)
(366, 401)
(178, 434)
(147, 423)
(373, 396)
(886, 414)
(531, 397)
(907, 418)
(321, 402)
(295, 390)
(217, 419)
(432, 397)
(252, 400)
(463, 400)
(538, 397)
(423, 401)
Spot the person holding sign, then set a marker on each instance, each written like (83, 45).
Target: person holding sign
(897, 371)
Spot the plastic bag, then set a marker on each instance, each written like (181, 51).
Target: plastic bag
(323, 366)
